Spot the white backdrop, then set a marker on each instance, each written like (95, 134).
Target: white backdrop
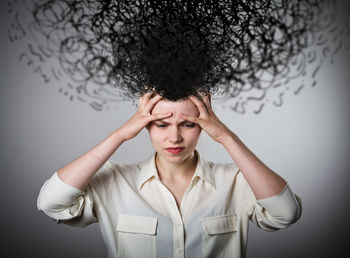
(306, 141)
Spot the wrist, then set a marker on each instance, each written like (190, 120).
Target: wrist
(228, 139)
(118, 136)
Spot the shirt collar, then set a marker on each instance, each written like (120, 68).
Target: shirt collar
(148, 170)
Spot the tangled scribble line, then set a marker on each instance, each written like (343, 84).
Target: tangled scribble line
(246, 53)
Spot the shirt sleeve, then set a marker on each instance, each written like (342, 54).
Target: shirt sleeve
(276, 212)
(65, 203)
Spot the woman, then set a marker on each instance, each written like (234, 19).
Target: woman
(175, 204)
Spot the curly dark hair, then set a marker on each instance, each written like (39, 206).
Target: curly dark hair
(175, 47)
(179, 48)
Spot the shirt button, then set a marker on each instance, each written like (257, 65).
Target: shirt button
(179, 250)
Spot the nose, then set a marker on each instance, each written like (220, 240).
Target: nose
(175, 135)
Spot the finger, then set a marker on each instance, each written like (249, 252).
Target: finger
(152, 102)
(140, 101)
(189, 118)
(200, 104)
(144, 98)
(206, 100)
(147, 95)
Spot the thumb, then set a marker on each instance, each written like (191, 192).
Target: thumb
(189, 118)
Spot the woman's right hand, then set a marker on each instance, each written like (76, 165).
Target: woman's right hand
(79, 172)
(142, 117)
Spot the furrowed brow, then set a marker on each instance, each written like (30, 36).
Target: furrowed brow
(164, 122)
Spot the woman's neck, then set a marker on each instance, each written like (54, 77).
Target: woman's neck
(173, 172)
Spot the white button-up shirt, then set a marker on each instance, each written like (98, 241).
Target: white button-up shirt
(139, 217)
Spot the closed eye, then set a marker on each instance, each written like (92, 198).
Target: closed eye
(161, 126)
(190, 125)
(187, 125)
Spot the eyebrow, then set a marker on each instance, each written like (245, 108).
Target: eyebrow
(164, 122)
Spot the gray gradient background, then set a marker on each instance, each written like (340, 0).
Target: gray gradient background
(306, 141)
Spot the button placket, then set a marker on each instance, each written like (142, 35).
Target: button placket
(178, 227)
(179, 250)
(178, 237)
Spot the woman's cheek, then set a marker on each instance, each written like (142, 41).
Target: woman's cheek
(159, 134)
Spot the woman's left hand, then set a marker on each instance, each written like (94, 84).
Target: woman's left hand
(207, 119)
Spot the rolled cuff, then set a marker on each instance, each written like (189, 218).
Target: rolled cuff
(60, 200)
(284, 207)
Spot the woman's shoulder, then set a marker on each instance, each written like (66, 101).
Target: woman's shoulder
(228, 173)
(219, 167)
(225, 169)
(222, 166)
(115, 167)
(111, 170)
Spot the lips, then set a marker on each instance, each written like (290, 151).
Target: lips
(175, 150)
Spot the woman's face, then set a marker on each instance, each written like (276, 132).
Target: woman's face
(174, 132)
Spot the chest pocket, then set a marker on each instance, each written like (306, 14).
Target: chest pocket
(136, 236)
(219, 236)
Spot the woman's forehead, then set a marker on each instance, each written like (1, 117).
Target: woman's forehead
(184, 106)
